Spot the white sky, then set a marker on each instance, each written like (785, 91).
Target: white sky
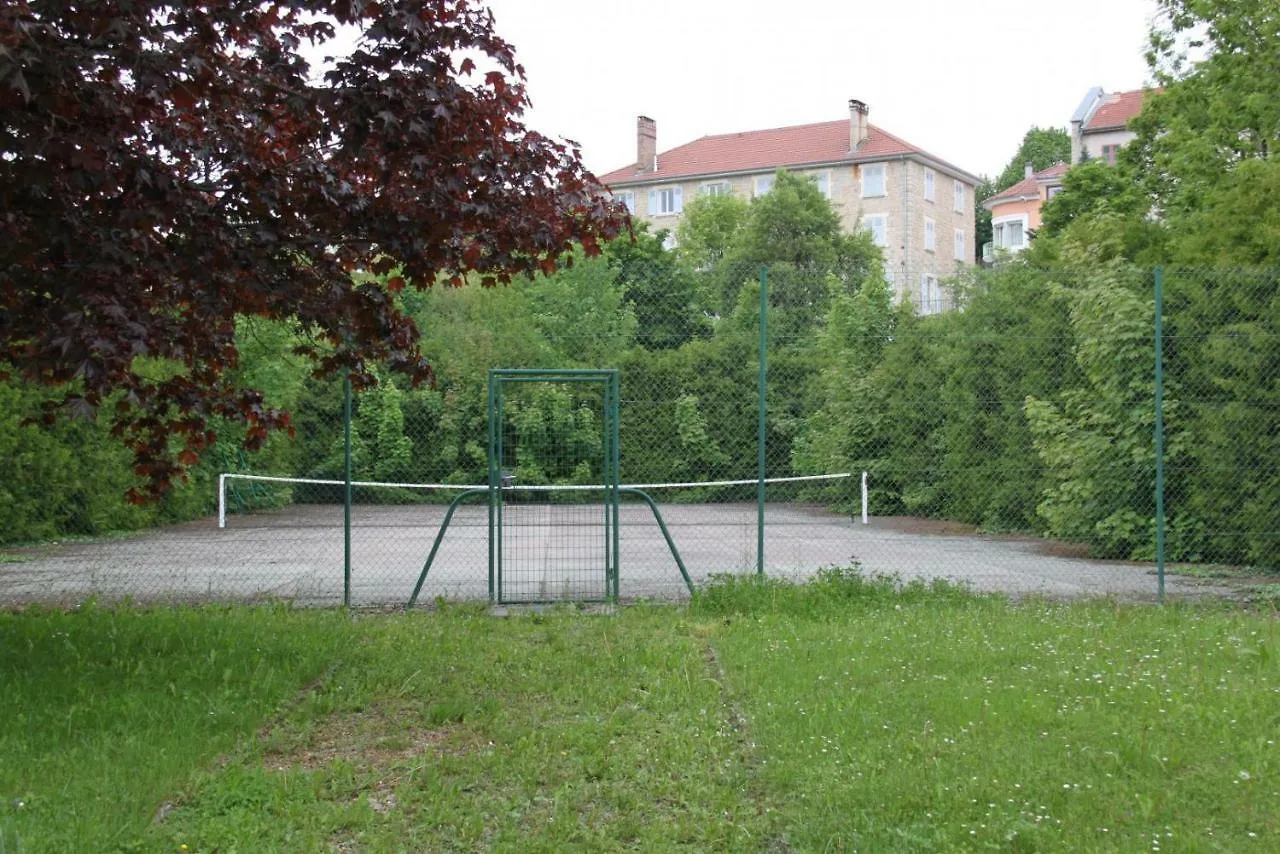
(963, 79)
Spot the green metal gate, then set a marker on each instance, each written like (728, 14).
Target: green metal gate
(553, 485)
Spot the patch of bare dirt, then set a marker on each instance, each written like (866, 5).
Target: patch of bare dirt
(371, 738)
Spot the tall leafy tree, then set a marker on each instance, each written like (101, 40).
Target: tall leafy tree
(1041, 147)
(167, 166)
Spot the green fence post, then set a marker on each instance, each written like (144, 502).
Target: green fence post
(346, 498)
(761, 393)
(1159, 345)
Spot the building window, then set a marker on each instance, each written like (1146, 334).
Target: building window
(929, 181)
(873, 183)
(720, 188)
(959, 194)
(930, 294)
(628, 198)
(1053, 191)
(1013, 233)
(877, 225)
(959, 245)
(669, 240)
(821, 180)
(1009, 234)
(764, 183)
(1109, 153)
(930, 236)
(665, 201)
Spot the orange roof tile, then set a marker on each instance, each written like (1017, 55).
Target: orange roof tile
(1030, 186)
(1116, 110)
(824, 142)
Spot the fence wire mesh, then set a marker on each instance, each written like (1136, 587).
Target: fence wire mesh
(1001, 424)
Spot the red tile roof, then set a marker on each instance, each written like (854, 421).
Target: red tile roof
(1030, 187)
(825, 142)
(1116, 110)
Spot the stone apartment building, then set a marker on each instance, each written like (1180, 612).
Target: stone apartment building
(918, 208)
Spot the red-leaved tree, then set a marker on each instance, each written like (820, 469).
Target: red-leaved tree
(167, 166)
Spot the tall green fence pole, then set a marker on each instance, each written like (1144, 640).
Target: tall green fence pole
(761, 394)
(346, 497)
(1159, 343)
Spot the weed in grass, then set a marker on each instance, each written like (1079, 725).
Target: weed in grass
(831, 592)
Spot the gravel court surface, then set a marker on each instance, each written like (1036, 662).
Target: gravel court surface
(296, 554)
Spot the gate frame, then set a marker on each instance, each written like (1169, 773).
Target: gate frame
(608, 379)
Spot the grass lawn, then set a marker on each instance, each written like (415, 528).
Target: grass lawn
(840, 715)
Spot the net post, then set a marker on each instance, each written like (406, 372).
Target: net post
(346, 489)
(864, 498)
(222, 500)
(761, 393)
(1159, 431)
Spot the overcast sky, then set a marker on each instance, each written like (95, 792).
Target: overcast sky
(963, 79)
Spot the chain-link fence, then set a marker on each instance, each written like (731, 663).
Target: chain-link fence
(1007, 428)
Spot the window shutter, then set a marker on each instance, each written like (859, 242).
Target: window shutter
(653, 203)
(677, 200)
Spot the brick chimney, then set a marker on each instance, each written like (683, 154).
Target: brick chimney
(1028, 170)
(858, 129)
(646, 144)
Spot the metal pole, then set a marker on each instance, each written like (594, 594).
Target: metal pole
(346, 489)
(1159, 344)
(761, 395)
(222, 501)
(864, 498)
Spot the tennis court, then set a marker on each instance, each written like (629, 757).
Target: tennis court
(296, 554)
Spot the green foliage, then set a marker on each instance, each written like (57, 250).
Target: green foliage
(660, 291)
(708, 229)
(982, 230)
(69, 479)
(833, 593)
(1095, 439)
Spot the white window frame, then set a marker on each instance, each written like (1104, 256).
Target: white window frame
(669, 241)
(628, 198)
(930, 294)
(716, 188)
(822, 180)
(959, 195)
(958, 242)
(767, 180)
(884, 228)
(930, 235)
(659, 198)
(998, 228)
(883, 171)
(930, 184)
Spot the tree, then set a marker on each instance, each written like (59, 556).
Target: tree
(1216, 113)
(707, 229)
(982, 230)
(166, 167)
(794, 230)
(661, 291)
(1041, 147)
